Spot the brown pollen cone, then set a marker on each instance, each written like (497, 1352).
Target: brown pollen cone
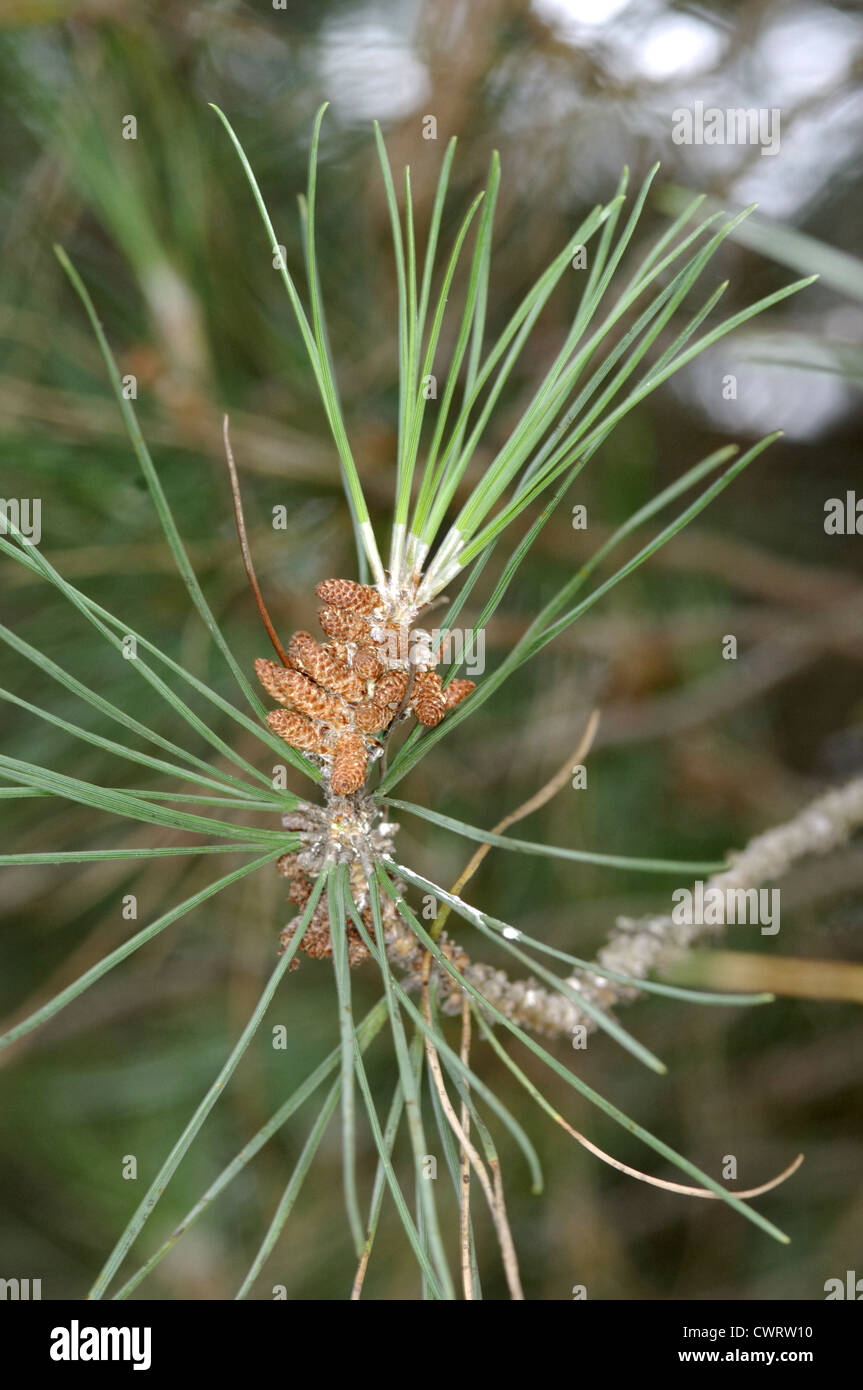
(317, 941)
(367, 665)
(300, 891)
(427, 699)
(298, 731)
(390, 689)
(343, 625)
(347, 593)
(339, 653)
(309, 656)
(456, 692)
(296, 690)
(369, 717)
(350, 761)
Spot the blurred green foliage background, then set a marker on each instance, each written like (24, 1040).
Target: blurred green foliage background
(695, 754)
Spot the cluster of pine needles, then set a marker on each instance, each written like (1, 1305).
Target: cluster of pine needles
(603, 368)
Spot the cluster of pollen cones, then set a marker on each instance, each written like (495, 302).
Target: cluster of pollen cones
(317, 941)
(340, 696)
(402, 947)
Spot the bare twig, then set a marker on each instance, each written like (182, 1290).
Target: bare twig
(640, 946)
(637, 947)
